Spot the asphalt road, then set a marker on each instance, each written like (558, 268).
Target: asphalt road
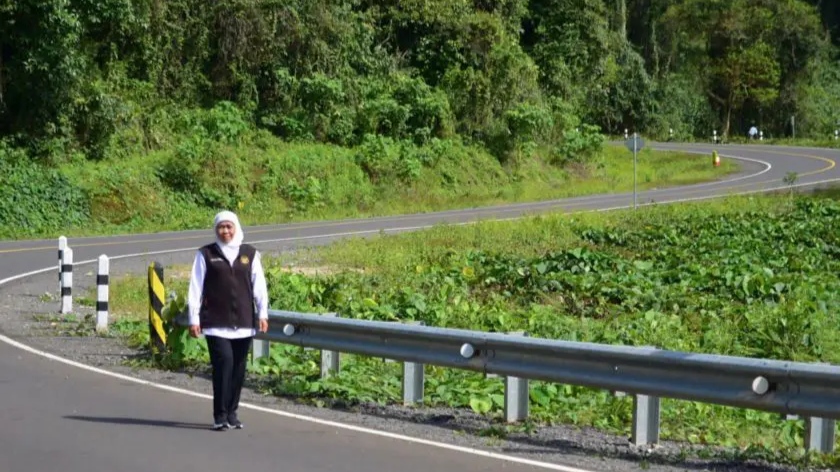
(60, 417)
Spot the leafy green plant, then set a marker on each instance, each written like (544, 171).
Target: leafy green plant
(694, 278)
(35, 199)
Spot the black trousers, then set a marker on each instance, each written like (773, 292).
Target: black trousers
(229, 359)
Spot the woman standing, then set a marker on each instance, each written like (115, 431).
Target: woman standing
(228, 301)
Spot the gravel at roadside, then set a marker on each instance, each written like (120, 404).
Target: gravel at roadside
(28, 312)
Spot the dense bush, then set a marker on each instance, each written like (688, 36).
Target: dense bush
(36, 199)
(695, 278)
(103, 76)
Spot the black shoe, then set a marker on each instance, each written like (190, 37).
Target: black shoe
(221, 426)
(234, 422)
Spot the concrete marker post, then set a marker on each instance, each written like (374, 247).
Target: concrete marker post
(102, 282)
(67, 281)
(62, 245)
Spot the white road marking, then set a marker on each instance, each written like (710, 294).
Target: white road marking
(467, 450)
(309, 419)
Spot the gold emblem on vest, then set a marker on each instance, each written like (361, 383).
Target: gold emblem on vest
(244, 259)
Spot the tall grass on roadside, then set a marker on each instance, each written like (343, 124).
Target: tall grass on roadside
(697, 277)
(267, 180)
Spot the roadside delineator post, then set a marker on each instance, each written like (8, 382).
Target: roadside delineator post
(157, 335)
(715, 159)
(62, 244)
(102, 282)
(67, 281)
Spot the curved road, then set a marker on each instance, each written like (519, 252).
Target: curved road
(56, 416)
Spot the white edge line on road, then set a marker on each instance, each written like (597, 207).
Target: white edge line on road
(478, 452)
(767, 167)
(468, 450)
(514, 206)
(350, 427)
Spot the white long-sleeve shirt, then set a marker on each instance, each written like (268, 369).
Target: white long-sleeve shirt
(199, 270)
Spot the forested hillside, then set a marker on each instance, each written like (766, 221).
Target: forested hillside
(98, 78)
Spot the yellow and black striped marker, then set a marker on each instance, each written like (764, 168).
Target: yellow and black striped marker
(157, 335)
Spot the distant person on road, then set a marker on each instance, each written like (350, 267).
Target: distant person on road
(753, 132)
(228, 302)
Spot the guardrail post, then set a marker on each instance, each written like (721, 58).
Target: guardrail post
(260, 348)
(330, 360)
(67, 281)
(516, 394)
(413, 378)
(819, 434)
(645, 418)
(102, 282)
(62, 245)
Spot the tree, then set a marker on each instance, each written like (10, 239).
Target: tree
(42, 67)
(750, 53)
(744, 74)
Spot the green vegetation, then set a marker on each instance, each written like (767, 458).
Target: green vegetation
(268, 181)
(105, 77)
(254, 101)
(693, 277)
(120, 115)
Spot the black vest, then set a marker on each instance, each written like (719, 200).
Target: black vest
(227, 297)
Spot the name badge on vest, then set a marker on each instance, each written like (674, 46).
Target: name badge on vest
(216, 259)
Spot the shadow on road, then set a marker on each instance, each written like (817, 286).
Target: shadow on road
(138, 421)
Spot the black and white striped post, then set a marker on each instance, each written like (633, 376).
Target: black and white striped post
(67, 281)
(102, 294)
(62, 244)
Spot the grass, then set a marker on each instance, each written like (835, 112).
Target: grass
(527, 237)
(659, 276)
(128, 296)
(403, 275)
(433, 275)
(277, 182)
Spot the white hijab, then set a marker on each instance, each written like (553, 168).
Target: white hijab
(231, 249)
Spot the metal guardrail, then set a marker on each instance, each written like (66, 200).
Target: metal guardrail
(789, 388)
